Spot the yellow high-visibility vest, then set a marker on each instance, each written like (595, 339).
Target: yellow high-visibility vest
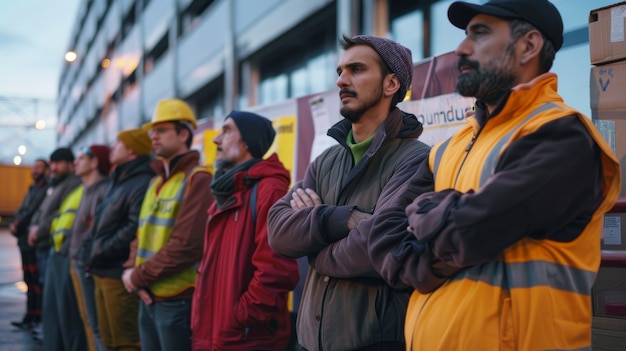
(63, 223)
(156, 222)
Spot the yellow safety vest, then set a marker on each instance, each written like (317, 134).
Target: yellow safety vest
(537, 295)
(62, 224)
(156, 222)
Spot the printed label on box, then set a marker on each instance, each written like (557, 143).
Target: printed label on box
(617, 23)
(612, 231)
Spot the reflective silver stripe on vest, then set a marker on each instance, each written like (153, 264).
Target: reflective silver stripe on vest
(531, 274)
(145, 253)
(65, 232)
(166, 222)
(489, 165)
(156, 221)
(439, 155)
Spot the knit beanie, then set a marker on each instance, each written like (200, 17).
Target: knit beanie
(256, 131)
(397, 57)
(101, 152)
(62, 154)
(137, 140)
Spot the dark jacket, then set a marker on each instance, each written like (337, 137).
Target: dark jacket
(30, 204)
(240, 302)
(83, 222)
(345, 304)
(116, 220)
(56, 193)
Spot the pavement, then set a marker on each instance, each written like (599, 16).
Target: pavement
(12, 297)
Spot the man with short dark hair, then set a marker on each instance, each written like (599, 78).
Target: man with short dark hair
(62, 182)
(19, 227)
(345, 304)
(63, 325)
(504, 252)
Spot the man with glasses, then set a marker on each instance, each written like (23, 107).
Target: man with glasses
(170, 235)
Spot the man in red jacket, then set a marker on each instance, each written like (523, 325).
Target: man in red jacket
(240, 301)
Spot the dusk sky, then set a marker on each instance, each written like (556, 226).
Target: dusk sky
(34, 35)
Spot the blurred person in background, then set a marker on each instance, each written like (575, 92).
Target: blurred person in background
(62, 182)
(93, 166)
(19, 227)
(115, 227)
(63, 325)
(172, 219)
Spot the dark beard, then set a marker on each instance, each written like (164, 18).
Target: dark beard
(489, 83)
(355, 115)
(222, 166)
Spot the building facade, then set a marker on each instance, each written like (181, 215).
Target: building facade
(220, 55)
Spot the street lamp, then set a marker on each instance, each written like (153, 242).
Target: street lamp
(70, 56)
(21, 149)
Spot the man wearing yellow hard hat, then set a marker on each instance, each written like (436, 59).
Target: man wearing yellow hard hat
(170, 233)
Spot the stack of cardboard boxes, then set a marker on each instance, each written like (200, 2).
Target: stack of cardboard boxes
(607, 43)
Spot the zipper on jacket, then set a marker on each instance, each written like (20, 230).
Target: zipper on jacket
(471, 143)
(467, 151)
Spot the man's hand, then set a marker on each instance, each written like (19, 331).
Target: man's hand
(32, 235)
(357, 216)
(128, 284)
(144, 296)
(303, 198)
(12, 228)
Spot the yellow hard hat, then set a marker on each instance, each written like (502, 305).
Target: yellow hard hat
(170, 110)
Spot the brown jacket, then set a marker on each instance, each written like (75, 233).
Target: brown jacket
(184, 248)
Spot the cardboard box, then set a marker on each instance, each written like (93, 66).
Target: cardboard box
(606, 88)
(615, 134)
(609, 320)
(606, 34)
(609, 292)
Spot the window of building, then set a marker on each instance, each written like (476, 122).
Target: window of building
(301, 62)
(189, 17)
(208, 101)
(408, 31)
(407, 26)
(129, 21)
(152, 57)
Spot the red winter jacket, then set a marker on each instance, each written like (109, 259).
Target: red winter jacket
(240, 301)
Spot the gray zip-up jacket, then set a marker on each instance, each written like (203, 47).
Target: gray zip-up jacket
(346, 309)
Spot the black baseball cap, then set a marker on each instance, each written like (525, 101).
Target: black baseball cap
(62, 154)
(540, 13)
